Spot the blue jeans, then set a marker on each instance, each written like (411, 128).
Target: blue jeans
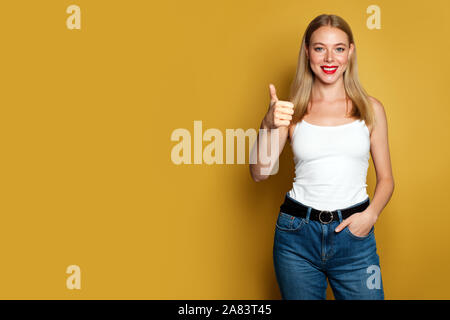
(306, 253)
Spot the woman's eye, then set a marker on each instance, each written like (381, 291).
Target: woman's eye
(338, 49)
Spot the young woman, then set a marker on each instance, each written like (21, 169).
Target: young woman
(325, 227)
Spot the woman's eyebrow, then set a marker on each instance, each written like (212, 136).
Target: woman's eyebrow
(337, 44)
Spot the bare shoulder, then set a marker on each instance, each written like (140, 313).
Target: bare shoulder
(376, 103)
(377, 106)
(379, 113)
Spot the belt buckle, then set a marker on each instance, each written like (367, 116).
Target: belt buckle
(327, 221)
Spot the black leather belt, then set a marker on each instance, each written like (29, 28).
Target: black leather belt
(297, 209)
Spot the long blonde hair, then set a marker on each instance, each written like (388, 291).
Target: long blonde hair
(301, 87)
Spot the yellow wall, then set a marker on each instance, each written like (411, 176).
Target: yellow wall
(87, 115)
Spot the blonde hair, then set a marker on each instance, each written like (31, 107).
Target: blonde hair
(301, 87)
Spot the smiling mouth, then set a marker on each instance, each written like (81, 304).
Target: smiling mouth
(329, 70)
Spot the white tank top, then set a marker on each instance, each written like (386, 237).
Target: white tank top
(331, 164)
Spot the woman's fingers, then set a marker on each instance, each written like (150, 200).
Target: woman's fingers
(280, 112)
(273, 93)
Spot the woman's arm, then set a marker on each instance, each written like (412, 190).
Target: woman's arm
(260, 171)
(362, 222)
(276, 123)
(379, 148)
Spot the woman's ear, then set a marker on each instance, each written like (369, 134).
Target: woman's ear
(350, 52)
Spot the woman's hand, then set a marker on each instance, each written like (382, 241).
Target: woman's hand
(359, 223)
(280, 112)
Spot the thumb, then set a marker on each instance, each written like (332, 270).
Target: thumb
(342, 225)
(273, 92)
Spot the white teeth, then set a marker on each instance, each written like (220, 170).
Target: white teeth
(329, 69)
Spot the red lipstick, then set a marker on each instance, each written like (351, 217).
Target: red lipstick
(329, 69)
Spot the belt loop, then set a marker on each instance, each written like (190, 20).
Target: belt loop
(308, 213)
(340, 216)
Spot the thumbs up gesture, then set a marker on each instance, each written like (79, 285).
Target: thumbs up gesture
(280, 112)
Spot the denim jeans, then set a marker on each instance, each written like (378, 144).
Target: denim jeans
(306, 253)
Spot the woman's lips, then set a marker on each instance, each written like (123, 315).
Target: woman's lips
(329, 70)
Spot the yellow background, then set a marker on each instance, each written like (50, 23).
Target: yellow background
(85, 125)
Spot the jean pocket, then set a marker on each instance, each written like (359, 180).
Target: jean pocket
(347, 230)
(287, 222)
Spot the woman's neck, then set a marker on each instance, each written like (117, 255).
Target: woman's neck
(328, 92)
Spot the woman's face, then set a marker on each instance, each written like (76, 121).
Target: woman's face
(329, 47)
